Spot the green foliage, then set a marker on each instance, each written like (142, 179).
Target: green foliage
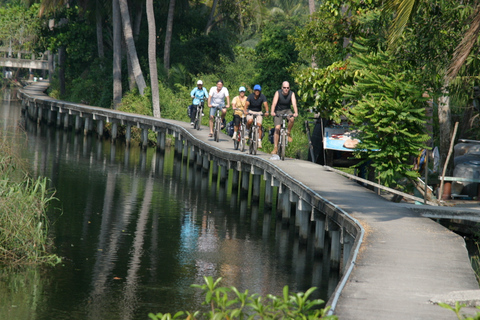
(19, 26)
(229, 303)
(275, 54)
(319, 89)
(457, 309)
(388, 110)
(23, 223)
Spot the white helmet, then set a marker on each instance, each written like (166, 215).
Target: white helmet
(199, 82)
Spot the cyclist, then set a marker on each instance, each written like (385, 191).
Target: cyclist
(216, 100)
(198, 94)
(281, 104)
(255, 101)
(239, 104)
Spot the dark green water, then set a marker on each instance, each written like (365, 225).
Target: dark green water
(136, 229)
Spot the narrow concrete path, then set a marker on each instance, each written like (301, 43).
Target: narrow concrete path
(405, 259)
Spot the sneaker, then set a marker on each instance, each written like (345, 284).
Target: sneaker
(203, 114)
(259, 144)
(191, 123)
(274, 151)
(234, 136)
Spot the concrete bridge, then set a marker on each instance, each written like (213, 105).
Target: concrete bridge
(26, 60)
(393, 262)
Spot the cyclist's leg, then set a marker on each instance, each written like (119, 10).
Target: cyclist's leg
(259, 124)
(193, 113)
(290, 120)
(213, 110)
(277, 121)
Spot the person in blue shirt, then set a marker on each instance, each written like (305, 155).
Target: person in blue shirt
(199, 95)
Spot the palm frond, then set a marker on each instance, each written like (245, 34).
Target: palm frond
(402, 11)
(465, 46)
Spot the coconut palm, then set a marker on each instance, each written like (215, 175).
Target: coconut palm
(152, 59)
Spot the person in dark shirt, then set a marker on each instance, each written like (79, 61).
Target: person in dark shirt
(281, 104)
(256, 101)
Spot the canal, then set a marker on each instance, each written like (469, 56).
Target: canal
(136, 228)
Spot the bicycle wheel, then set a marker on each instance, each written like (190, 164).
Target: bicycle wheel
(242, 138)
(198, 119)
(254, 141)
(282, 144)
(250, 146)
(216, 134)
(236, 141)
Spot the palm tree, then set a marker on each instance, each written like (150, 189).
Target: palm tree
(130, 43)
(152, 59)
(403, 10)
(117, 54)
(168, 36)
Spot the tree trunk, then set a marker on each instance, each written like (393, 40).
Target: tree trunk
(210, 18)
(445, 130)
(98, 16)
(311, 6)
(138, 20)
(168, 36)
(152, 59)
(117, 54)
(132, 51)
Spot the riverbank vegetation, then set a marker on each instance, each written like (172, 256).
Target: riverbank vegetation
(229, 303)
(24, 237)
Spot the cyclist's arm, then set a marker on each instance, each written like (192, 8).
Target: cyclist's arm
(294, 104)
(265, 104)
(228, 101)
(209, 101)
(274, 103)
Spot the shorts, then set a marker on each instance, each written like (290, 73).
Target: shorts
(278, 119)
(236, 120)
(213, 110)
(259, 116)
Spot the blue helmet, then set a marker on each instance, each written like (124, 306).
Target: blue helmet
(257, 87)
(241, 89)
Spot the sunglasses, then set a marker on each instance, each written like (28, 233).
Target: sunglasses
(286, 87)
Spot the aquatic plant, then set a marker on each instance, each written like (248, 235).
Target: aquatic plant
(23, 222)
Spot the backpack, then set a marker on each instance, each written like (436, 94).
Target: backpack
(229, 128)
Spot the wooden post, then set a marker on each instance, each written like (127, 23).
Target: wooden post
(452, 141)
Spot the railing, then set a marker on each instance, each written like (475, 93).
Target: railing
(24, 59)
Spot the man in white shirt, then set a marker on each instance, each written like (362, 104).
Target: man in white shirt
(216, 100)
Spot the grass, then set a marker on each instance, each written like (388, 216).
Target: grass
(23, 222)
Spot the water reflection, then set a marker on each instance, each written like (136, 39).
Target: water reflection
(137, 228)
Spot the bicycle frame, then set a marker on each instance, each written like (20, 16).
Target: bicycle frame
(217, 126)
(283, 137)
(239, 142)
(254, 132)
(198, 116)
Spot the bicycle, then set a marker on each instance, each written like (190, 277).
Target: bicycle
(254, 133)
(198, 116)
(217, 126)
(239, 142)
(283, 137)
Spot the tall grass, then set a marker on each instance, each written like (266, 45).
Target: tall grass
(23, 220)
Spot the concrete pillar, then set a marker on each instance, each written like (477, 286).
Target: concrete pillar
(205, 162)
(144, 139)
(49, 116)
(161, 138)
(66, 121)
(59, 119)
(214, 170)
(199, 156)
(191, 154)
(128, 134)
(302, 215)
(40, 115)
(235, 178)
(223, 174)
(287, 207)
(335, 249)
(245, 180)
(256, 187)
(319, 243)
(78, 123)
(114, 131)
(268, 193)
(100, 124)
(86, 126)
(185, 149)
(348, 240)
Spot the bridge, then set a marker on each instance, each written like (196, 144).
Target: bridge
(394, 262)
(26, 60)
